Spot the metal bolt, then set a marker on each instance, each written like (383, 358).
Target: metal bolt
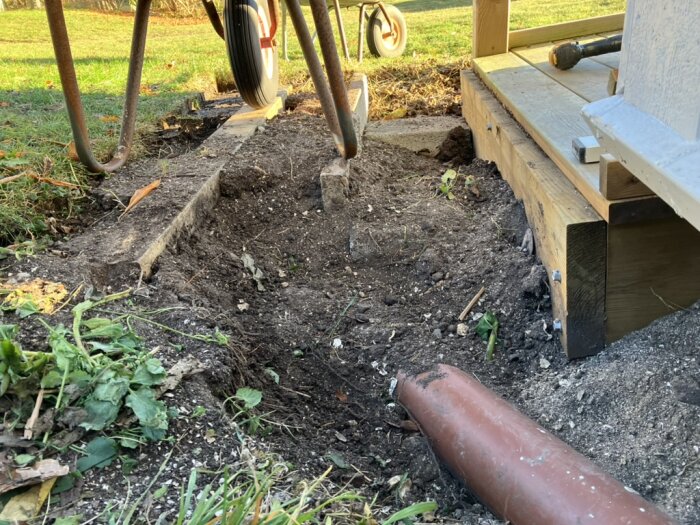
(556, 276)
(556, 325)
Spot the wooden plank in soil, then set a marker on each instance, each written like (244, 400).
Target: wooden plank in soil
(569, 235)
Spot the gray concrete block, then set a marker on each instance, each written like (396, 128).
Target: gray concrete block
(335, 184)
(419, 134)
(358, 95)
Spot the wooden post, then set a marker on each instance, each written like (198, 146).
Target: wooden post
(491, 21)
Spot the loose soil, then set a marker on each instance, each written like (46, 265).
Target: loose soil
(347, 299)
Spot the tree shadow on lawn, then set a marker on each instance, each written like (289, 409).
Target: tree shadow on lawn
(419, 6)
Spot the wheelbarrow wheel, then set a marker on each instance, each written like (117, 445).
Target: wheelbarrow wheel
(255, 69)
(387, 38)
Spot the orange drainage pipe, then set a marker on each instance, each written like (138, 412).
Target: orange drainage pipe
(521, 472)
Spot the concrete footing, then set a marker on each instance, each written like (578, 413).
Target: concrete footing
(335, 184)
(419, 134)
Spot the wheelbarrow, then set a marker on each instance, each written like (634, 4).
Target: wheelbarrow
(249, 28)
(386, 28)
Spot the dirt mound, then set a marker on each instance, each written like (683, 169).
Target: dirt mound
(323, 310)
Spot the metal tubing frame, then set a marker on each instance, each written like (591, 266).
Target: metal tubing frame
(331, 91)
(361, 33)
(71, 91)
(341, 28)
(214, 18)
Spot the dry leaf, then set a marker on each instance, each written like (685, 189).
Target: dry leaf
(109, 119)
(2, 154)
(41, 471)
(409, 426)
(4, 104)
(397, 113)
(72, 152)
(49, 84)
(45, 295)
(147, 90)
(341, 396)
(139, 195)
(170, 65)
(25, 506)
(54, 182)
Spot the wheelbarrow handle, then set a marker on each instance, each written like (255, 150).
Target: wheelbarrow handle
(71, 91)
(331, 91)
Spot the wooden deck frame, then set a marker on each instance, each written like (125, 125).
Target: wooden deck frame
(570, 236)
(492, 35)
(625, 257)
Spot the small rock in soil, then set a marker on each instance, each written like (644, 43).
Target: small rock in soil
(535, 283)
(390, 300)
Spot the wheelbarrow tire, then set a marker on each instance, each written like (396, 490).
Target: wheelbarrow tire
(379, 42)
(255, 70)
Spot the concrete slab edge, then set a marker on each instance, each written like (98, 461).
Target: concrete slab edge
(238, 128)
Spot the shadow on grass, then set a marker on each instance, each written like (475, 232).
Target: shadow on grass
(36, 133)
(419, 6)
(86, 61)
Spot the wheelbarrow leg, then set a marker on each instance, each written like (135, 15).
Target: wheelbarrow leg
(71, 91)
(361, 34)
(213, 15)
(341, 29)
(331, 92)
(285, 36)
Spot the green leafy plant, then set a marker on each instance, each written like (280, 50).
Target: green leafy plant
(447, 183)
(245, 400)
(99, 366)
(487, 329)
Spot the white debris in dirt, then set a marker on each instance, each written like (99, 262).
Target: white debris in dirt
(337, 343)
(392, 386)
(382, 370)
(544, 363)
(462, 329)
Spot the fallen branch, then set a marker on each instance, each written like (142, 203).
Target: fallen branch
(471, 304)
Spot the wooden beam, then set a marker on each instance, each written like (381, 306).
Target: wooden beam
(658, 156)
(491, 22)
(551, 115)
(570, 237)
(573, 29)
(653, 270)
(616, 182)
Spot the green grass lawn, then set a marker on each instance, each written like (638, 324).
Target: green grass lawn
(181, 58)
